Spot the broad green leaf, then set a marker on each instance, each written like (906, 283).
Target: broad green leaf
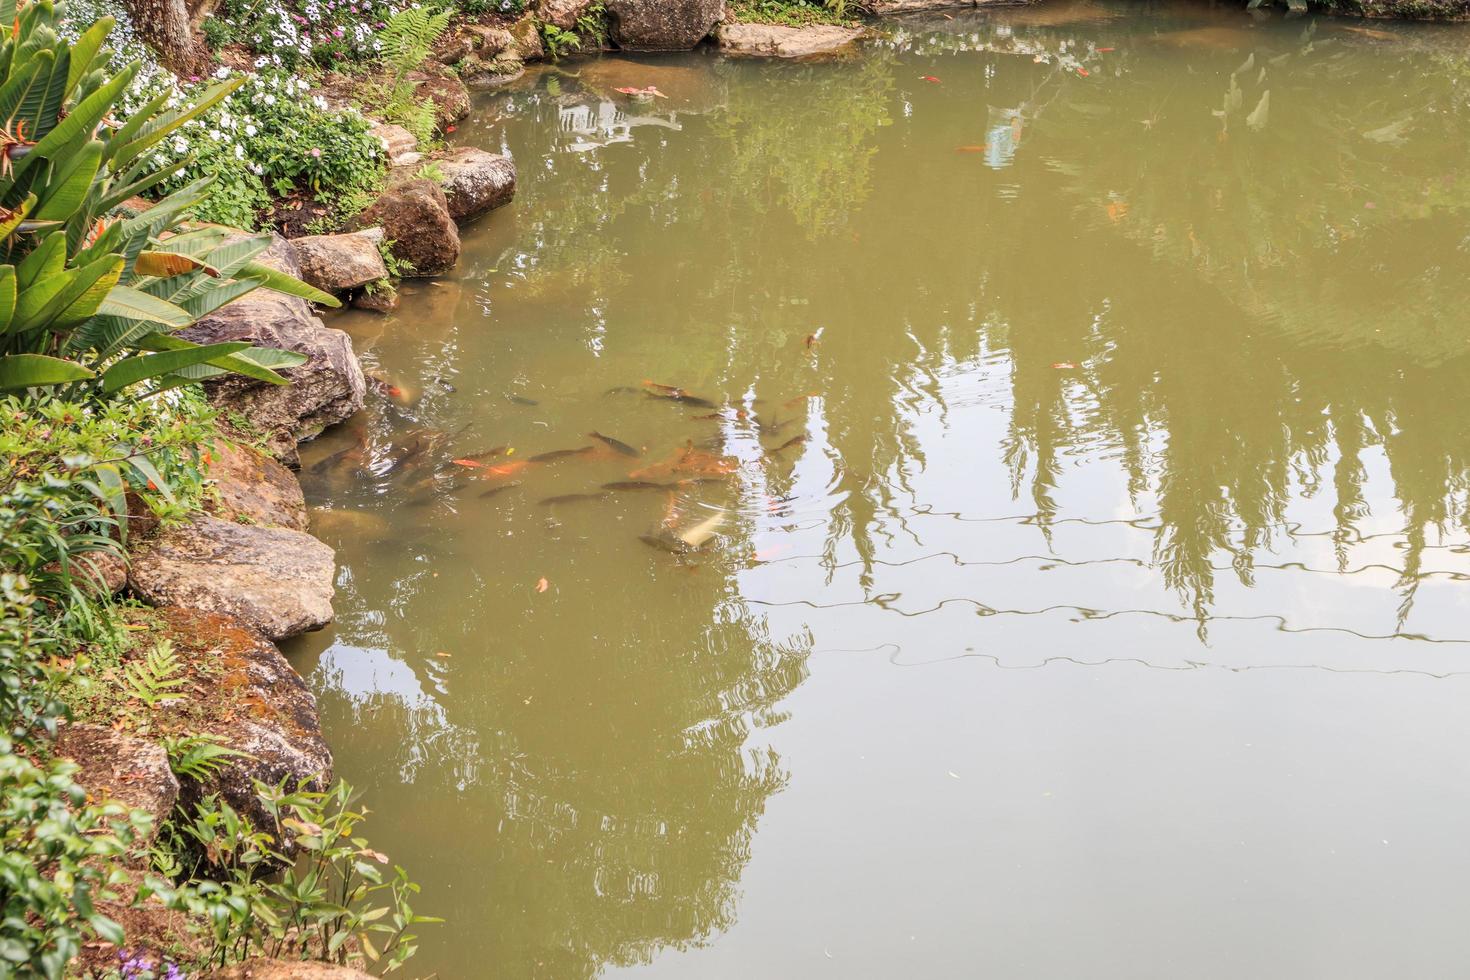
(14, 91)
(7, 297)
(85, 49)
(38, 371)
(68, 189)
(79, 123)
(289, 285)
(8, 225)
(133, 304)
(255, 362)
(83, 297)
(45, 262)
(143, 366)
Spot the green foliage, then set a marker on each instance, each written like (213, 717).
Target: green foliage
(78, 309)
(155, 678)
(795, 13)
(406, 41)
(559, 42)
(57, 852)
(335, 899)
(198, 755)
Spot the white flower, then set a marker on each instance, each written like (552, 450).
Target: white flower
(239, 152)
(224, 72)
(250, 129)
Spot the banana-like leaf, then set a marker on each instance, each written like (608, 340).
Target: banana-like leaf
(140, 367)
(19, 371)
(85, 50)
(133, 304)
(8, 225)
(289, 285)
(45, 262)
(80, 297)
(202, 302)
(53, 94)
(166, 265)
(13, 92)
(255, 362)
(7, 297)
(79, 123)
(67, 191)
(115, 492)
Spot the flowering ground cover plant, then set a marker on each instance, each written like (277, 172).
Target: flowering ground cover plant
(285, 33)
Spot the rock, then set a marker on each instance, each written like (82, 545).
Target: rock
(131, 771)
(452, 47)
(489, 43)
(252, 488)
(451, 98)
(475, 181)
(383, 299)
(478, 74)
(562, 13)
(325, 390)
(277, 580)
(254, 703)
(776, 41)
(339, 263)
(525, 35)
(414, 216)
(263, 969)
(662, 25)
(397, 142)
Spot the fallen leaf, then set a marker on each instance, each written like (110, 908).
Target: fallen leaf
(451, 128)
(542, 585)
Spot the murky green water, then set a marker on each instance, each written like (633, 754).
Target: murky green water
(1110, 618)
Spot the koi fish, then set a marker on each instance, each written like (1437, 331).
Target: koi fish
(980, 148)
(557, 454)
(571, 498)
(700, 534)
(929, 78)
(671, 393)
(793, 441)
(521, 400)
(615, 444)
(507, 469)
(500, 489)
(635, 485)
(648, 92)
(815, 338)
(800, 398)
(486, 454)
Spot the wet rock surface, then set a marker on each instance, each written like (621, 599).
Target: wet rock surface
(339, 263)
(450, 97)
(327, 389)
(776, 41)
(250, 487)
(245, 693)
(400, 145)
(662, 25)
(562, 13)
(414, 215)
(276, 580)
(475, 181)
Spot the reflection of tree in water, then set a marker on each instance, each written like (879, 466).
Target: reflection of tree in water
(615, 794)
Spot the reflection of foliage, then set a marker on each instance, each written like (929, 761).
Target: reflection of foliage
(816, 165)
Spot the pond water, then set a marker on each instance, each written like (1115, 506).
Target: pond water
(1055, 560)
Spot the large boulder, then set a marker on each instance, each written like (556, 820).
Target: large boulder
(252, 488)
(340, 263)
(243, 692)
(263, 969)
(325, 390)
(526, 43)
(276, 580)
(414, 216)
(777, 41)
(450, 97)
(562, 13)
(662, 25)
(118, 767)
(475, 181)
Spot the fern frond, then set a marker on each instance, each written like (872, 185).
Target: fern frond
(155, 679)
(198, 755)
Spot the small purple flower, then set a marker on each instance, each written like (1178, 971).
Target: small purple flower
(316, 152)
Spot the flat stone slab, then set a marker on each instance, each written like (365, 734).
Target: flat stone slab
(276, 580)
(777, 41)
(114, 766)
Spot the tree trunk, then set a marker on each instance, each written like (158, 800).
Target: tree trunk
(165, 26)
